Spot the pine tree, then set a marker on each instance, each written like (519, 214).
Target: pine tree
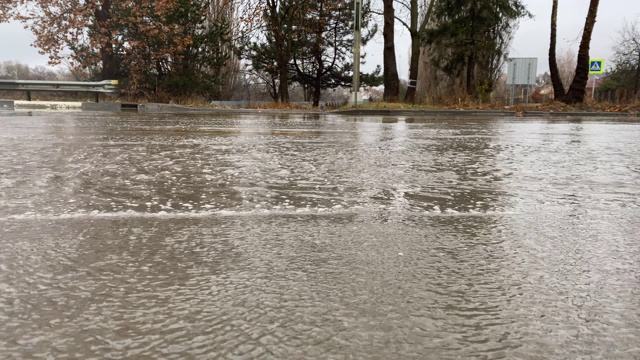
(470, 39)
(323, 42)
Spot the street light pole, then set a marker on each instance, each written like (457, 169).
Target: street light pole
(356, 50)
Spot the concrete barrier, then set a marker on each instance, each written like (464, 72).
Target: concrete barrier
(6, 105)
(48, 105)
(60, 106)
(104, 106)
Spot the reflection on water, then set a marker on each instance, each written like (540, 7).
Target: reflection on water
(307, 236)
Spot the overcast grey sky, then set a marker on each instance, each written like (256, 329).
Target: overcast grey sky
(531, 39)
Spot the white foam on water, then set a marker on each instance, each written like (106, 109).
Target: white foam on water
(131, 214)
(257, 211)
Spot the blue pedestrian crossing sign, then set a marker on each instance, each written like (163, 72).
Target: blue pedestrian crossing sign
(596, 66)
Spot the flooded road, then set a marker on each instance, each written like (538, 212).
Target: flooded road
(305, 236)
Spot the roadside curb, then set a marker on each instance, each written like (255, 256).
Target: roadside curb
(176, 109)
(479, 113)
(409, 112)
(153, 108)
(579, 114)
(156, 108)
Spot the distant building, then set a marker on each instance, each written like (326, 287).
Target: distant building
(600, 79)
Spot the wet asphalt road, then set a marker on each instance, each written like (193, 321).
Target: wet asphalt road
(305, 236)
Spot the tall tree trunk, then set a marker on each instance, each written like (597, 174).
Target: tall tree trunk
(317, 91)
(274, 90)
(317, 50)
(471, 79)
(637, 83)
(391, 81)
(556, 80)
(579, 85)
(471, 58)
(109, 69)
(416, 43)
(276, 20)
(109, 63)
(283, 74)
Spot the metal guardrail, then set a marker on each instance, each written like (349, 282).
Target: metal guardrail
(100, 87)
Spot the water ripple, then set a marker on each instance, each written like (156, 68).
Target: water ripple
(315, 237)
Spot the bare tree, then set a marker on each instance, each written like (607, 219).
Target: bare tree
(43, 73)
(567, 67)
(627, 51)
(414, 15)
(556, 80)
(579, 85)
(417, 32)
(227, 12)
(14, 71)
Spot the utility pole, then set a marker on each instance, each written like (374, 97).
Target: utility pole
(356, 50)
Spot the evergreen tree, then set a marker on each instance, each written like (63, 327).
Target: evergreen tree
(470, 39)
(264, 64)
(275, 47)
(323, 43)
(198, 65)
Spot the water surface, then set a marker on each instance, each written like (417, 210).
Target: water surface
(306, 236)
